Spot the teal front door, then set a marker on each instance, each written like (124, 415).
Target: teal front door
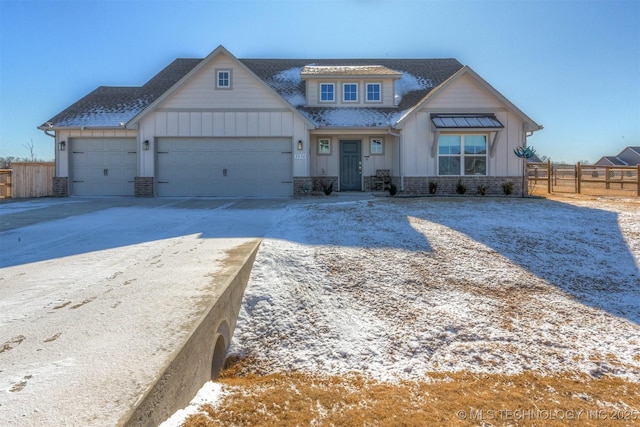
(350, 166)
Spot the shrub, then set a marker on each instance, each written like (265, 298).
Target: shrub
(433, 187)
(460, 187)
(507, 188)
(482, 189)
(393, 190)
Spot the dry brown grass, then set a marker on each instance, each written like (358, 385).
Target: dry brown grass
(442, 399)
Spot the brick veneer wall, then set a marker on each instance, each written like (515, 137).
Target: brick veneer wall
(312, 185)
(60, 186)
(419, 186)
(143, 186)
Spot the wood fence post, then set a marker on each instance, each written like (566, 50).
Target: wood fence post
(549, 171)
(638, 183)
(578, 177)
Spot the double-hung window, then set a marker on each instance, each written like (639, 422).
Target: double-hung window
(327, 92)
(350, 92)
(374, 92)
(462, 154)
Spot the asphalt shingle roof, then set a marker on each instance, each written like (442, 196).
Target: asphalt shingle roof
(110, 106)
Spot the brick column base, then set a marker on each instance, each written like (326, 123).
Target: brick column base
(143, 186)
(60, 186)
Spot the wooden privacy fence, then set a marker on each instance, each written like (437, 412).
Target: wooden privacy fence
(27, 179)
(579, 178)
(5, 183)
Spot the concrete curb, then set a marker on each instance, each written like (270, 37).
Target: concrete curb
(203, 353)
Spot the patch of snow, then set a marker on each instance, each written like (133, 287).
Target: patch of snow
(409, 83)
(210, 394)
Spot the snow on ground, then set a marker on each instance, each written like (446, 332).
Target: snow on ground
(396, 289)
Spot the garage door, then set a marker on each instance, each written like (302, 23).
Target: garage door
(103, 166)
(224, 167)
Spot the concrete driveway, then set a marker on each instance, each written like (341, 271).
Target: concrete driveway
(97, 295)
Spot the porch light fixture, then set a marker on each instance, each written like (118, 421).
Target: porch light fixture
(145, 145)
(61, 145)
(300, 144)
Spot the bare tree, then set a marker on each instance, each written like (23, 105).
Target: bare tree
(32, 154)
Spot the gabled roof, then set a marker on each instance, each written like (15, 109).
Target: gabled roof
(416, 81)
(417, 78)
(611, 160)
(109, 106)
(466, 70)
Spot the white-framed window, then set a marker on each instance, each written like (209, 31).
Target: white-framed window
(377, 147)
(350, 92)
(324, 146)
(223, 79)
(462, 154)
(327, 92)
(374, 92)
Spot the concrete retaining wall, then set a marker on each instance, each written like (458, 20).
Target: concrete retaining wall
(200, 358)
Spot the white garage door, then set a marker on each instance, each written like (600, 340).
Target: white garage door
(225, 167)
(103, 166)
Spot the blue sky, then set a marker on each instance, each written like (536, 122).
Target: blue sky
(572, 66)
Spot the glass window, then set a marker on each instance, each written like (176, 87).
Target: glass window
(462, 151)
(224, 79)
(350, 92)
(374, 92)
(327, 92)
(376, 146)
(324, 146)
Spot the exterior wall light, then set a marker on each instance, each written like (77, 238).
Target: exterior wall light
(61, 145)
(300, 144)
(145, 145)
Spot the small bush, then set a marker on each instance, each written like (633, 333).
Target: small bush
(433, 187)
(460, 187)
(393, 190)
(507, 188)
(482, 190)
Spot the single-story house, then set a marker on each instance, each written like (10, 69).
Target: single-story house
(630, 156)
(223, 126)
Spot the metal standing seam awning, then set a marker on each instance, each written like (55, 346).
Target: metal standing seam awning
(466, 122)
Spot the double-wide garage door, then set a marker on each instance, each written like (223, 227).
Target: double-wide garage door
(103, 166)
(226, 167)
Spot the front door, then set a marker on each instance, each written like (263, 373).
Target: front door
(350, 166)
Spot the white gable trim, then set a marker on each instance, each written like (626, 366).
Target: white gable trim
(180, 83)
(530, 125)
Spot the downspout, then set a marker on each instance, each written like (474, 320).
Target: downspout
(55, 151)
(399, 136)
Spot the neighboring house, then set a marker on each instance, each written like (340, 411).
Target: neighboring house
(630, 156)
(222, 126)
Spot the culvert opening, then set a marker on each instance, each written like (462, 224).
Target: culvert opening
(219, 356)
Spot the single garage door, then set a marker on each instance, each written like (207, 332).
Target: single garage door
(103, 166)
(225, 167)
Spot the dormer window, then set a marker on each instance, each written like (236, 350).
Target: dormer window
(374, 92)
(327, 92)
(350, 92)
(223, 79)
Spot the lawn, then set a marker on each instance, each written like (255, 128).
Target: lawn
(438, 311)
